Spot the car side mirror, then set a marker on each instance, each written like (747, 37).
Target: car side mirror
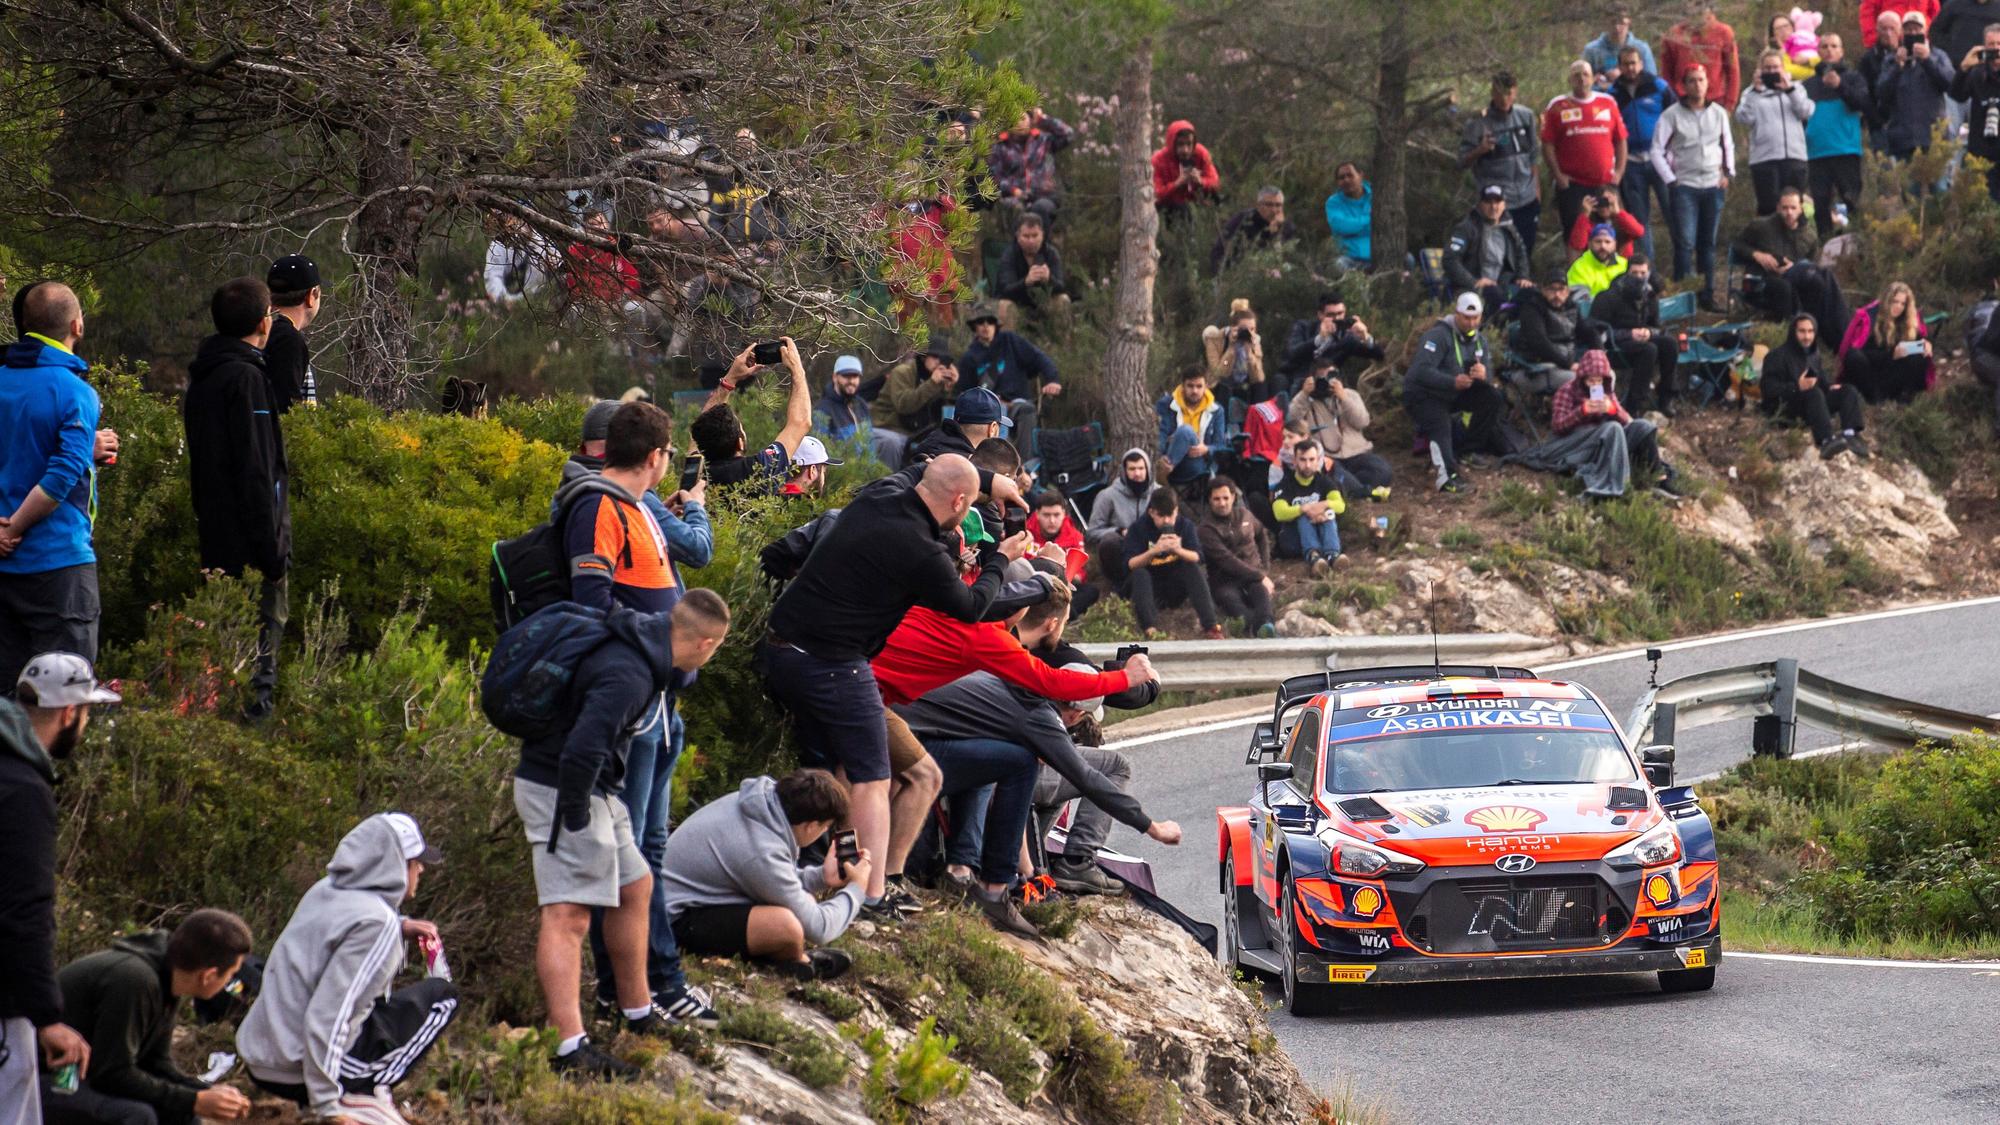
(1264, 742)
(1658, 762)
(1268, 772)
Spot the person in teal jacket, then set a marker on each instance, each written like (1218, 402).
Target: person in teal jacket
(1350, 212)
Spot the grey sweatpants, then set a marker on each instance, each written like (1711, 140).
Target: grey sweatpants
(20, 1092)
(1091, 825)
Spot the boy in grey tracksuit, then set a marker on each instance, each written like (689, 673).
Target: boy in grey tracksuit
(326, 1031)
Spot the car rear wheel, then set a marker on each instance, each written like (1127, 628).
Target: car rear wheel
(1302, 998)
(1687, 980)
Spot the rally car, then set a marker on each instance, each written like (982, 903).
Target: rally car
(1461, 823)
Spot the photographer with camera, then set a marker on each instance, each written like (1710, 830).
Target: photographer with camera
(1841, 102)
(1978, 84)
(1332, 337)
(1500, 145)
(1236, 356)
(718, 432)
(1606, 209)
(1336, 417)
(1775, 110)
(1910, 94)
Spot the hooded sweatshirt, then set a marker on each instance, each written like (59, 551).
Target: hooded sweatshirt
(1122, 502)
(335, 959)
(28, 878)
(1787, 364)
(122, 1000)
(740, 849)
(616, 690)
(236, 461)
(1168, 191)
(48, 442)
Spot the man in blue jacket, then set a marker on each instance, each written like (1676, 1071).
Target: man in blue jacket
(1841, 102)
(1011, 367)
(1642, 97)
(49, 448)
(1190, 429)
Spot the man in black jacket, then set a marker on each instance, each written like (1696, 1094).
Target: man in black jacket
(1630, 308)
(1782, 253)
(1546, 333)
(56, 692)
(1031, 277)
(1452, 374)
(566, 790)
(1263, 227)
(1485, 254)
(1977, 84)
(125, 999)
(295, 298)
(885, 554)
(1333, 336)
(1796, 385)
(236, 459)
(1164, 567)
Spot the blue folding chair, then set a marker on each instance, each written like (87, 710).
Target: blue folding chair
(1707, 353)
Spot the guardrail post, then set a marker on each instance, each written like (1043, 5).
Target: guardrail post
(1663, 724)
(1777, 733)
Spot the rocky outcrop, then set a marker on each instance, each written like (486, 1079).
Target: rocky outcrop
(1886, 510)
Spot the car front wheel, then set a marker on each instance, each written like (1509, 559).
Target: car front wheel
(1302, 998)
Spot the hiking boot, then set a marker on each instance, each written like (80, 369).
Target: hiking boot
(1083, 877)
(589, 1062)
(1212, 633)
(689, 1005)
(1337, 560)
(1266, 631)
(1834, 447)
(1000, 910)
(1319, 565)
(953, 889)
(880, 913)
(820, 964)
(1454, 485)
(1856, 446)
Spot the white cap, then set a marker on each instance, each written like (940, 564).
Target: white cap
(847, 365)
(812, 451)
(1469, 305)
(63, 679)
(1094, 706)
(409, 839)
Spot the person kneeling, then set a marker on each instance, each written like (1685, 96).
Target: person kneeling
(1596, 439)
(735, 887)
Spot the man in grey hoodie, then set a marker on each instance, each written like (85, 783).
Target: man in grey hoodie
(1120, 505)
(734, 886)
(325, 1030)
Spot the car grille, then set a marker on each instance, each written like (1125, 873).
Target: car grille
(1489, 915)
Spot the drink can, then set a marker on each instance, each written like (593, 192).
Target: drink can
(435, 964)
(65, 1080)
(1381, 526)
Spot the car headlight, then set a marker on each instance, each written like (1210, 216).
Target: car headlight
(1661, 845)
(1352, 857)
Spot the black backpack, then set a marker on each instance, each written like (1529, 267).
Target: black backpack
(525, 690)
(530, 572)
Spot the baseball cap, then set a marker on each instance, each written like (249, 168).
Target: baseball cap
(979, 406)
(1555, 275)
(597, 419)
(1492, 191)
(410, 840)
(293, 273)
(847, 365)
(1604, 230)
(812, 451)
(1468, 304)
(63, 679)
(973, 528)
(1095, 706)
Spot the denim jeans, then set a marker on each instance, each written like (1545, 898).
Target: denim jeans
(1310, 536)
(974, 768)
(1642, 184)
(1697, 215)
(1186, 468)
(648, 796)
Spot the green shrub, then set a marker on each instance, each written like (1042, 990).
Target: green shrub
(810, 1057)
(919, 1074)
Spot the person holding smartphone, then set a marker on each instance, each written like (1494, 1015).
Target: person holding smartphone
(1886, 350)
(1593, 436)
(1978, 86)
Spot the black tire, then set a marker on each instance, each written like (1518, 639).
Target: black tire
(1687, 980)
(1231, 935)
(1302, 999)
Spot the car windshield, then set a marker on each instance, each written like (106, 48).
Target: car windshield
(1446, 760)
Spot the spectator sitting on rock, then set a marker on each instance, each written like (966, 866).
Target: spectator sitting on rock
(1783, 251)
(735, 887)
(1336, 417)
(1116, 508)
(1023, 165)
(1253, 229)
(1797, 386)
(1011, 367)
(912, 400)
(1237, 551)
(1450, 375)
(1593, 437)
(1547, 334)
(1183, 173)
(1886, 351)
(1305, 503)
(1163, 560)
(1597, 269)
(1236, 356)
(1350, 215)
(1334, 336)
(1485, 254)
(1630, 308)
(1191, 428)
(1031, 278)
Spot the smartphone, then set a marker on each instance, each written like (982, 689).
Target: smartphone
(1597, 392)
(1013, 523)
(691, 466)
(768, 354)
(847, 846)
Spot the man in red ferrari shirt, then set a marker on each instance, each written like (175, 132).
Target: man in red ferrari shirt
(1052, 527)
(1583, 137)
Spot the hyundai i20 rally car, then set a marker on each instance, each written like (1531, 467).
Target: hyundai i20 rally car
(1441, 824)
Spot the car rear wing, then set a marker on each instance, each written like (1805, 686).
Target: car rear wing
(1266, 739)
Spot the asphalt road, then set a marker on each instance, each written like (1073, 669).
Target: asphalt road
(1778, 1040)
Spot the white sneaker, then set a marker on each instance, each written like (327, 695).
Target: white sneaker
(378, 1108)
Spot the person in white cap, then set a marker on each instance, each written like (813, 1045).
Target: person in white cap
(1451, 375)
(809, 467)
(325, 1030)
(55, 692)
(841, 414)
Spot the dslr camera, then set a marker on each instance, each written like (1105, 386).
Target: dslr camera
(1241, 335)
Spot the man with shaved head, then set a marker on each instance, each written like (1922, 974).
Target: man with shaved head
(895, 546)
(49, 450)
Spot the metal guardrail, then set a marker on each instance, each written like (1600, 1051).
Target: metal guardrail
(1260, 664)
(1780, 695)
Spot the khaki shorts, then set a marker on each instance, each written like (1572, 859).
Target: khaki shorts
(904, 749)
(588, 866)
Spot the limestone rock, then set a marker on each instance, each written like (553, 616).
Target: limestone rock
(1888, 512)
(1297, 623)
(1724, 520)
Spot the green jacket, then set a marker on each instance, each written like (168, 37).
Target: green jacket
(1594, 275)
(122, 1001)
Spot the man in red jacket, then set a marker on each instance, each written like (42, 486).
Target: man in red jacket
(1183, 174)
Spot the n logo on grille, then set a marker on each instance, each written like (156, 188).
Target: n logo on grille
(1515, 864)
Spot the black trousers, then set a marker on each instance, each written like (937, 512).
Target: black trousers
(1819, 405)
(1242, 598)
(1808, 288)
(394, 1038)
(1368, 469)
(88, 1107)
(1649, 371)
(1151, 587)
(1881, 377)
(1770, 177)
(1433, 417)
(1986, 368)
(1833, 179)
(53, 611)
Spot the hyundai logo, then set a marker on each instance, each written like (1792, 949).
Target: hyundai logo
(1389, 712)
(1515, 863)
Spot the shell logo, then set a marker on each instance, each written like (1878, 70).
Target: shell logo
(1659, 889)
(1367, 902)
(1505, 818)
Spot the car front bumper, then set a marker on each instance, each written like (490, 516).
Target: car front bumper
(1410, 969)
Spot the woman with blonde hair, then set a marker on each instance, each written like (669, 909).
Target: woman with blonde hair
(1886, 351)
